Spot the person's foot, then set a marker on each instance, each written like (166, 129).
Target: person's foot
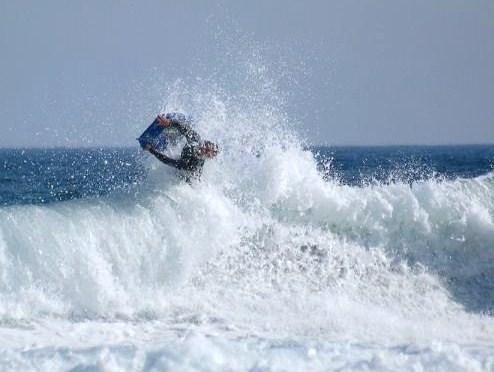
(162, 120)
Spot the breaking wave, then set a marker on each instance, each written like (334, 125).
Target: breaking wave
(264, 243)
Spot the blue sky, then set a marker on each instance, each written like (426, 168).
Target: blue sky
(357, 72)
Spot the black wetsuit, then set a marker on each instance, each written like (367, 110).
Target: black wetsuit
(190, 160)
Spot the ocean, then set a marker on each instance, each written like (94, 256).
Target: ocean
(284, 257)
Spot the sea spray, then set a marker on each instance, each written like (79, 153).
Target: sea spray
(264, 251)
(263, 244)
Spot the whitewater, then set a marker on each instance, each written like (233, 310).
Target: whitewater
(268, 263)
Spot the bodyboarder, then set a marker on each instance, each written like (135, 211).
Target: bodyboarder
(195, 151)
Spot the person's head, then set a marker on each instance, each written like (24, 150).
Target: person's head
(208, 149)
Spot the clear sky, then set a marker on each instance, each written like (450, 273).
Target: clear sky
(357, 72)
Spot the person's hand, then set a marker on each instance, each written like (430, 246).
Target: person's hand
(163, 121)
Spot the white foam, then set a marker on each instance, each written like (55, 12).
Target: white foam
(262, 247)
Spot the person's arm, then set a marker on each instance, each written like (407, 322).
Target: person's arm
(166, 160)
(179, 121)
(185, 130)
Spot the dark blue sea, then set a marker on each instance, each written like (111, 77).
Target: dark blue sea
(37, 176)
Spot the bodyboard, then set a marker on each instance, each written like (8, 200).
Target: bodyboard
(158, 137)
(153, 136)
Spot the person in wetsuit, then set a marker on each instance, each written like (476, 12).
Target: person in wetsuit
(195, 151)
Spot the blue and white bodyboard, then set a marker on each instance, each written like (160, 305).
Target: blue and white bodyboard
(160, 138)
(153, 136)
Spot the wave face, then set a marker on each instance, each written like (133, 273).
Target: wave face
(265, 246)
(263, 233)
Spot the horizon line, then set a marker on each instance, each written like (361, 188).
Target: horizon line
(95, 147)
